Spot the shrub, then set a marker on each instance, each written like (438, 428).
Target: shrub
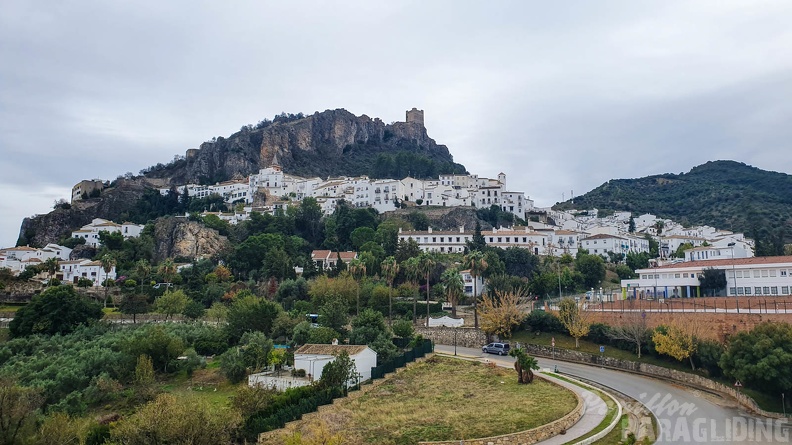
(541, 321)
(598, 333)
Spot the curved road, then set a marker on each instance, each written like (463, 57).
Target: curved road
(684, 415)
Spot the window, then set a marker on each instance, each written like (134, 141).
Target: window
(785, 290)
(499, 239)
(766, 290)
(457, 239)
(764, 274)
(783, 273)
(772, 272)
(442, 239)
(739, 291)
(747, 291)
(757, 290)
(434, 240)
(525, 239)
(731, 291)
(774, 290)
(685, 275)
(676, 275)
(739, 274)
(756, 274)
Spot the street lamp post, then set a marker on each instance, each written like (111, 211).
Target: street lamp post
(734, 276)
(455, 339)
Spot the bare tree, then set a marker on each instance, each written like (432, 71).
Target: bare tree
(633, 330)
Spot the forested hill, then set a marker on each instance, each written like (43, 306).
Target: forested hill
(724, 194)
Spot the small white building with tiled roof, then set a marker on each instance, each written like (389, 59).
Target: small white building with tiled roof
(327, 259)
(313, 358)
(90, 232)
(72, 271)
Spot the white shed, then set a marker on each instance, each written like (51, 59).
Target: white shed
(313, 358)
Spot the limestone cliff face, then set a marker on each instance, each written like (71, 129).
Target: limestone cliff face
(113, 204)
(178, 237)
(334, 142)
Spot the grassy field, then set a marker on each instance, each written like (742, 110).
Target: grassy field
(445, 399)
(208, 384)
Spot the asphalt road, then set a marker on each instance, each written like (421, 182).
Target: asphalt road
(684, 415)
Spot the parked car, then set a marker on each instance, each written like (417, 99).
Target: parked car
(496, 348)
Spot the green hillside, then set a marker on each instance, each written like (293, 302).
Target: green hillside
(724, 194)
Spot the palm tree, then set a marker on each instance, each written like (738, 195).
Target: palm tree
(51, 266)
(390, 268)
(108, 263)
(412, 270)
(477, 264)
(143, 270)
(168, 270)
(454, 287)
(358, 269)
(426, 265)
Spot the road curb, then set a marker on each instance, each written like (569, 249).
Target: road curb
(616, 419)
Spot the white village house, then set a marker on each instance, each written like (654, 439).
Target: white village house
(90, 232)
(313, 358)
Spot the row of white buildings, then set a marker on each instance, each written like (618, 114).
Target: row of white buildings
(602, 236)
(19, 259)
(281, 189)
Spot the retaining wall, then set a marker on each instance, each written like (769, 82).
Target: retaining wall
(465, 337)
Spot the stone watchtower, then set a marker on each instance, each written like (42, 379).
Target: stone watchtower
(415, 116)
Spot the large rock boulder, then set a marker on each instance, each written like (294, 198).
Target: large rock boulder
(179, 237)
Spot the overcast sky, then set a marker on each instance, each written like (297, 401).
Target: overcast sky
(560, 96)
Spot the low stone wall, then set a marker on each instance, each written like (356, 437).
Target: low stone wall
(465, 337)
(652, 371)
(526, 437)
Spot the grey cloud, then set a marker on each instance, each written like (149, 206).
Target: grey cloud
(558, 96)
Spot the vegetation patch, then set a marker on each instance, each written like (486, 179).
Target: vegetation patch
(444, 399)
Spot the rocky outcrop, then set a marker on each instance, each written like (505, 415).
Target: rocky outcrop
(178, 237)
(82, 252)
(114, 203)
(446, 218)
(333, 142)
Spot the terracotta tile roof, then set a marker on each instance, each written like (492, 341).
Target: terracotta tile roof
(683, 237)
(510, 233)
(602, 236)
(347, 255)
(320, 254)
(566, 232)
(311, 349)
(434, 232)
(761, 260)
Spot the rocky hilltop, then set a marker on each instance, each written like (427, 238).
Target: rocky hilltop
(115, 203)
(333, 142)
